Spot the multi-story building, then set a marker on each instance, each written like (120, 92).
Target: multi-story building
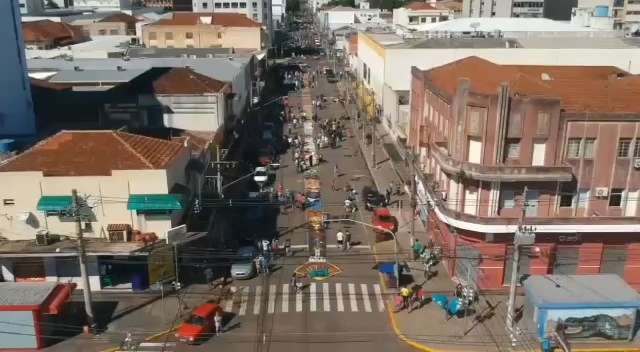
(632, 15)
(419, 12)
(176, 5)
(133, 193)
(278, 13)
(106, 5)
(31, 7)
(553, 147)
(502, 8)
(338, 16)
(116, 24)
(16, 106)
(204, 30)
(257, 10)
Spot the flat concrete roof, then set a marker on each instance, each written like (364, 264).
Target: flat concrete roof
(456, 43)
(504, 24)
(580, 291)
(25, 293)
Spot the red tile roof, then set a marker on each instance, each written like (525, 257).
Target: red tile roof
(220, 19)
(181, 80)
(579, 88)
(47, 30)
(420, 5)
(94, 153)
(119, 17)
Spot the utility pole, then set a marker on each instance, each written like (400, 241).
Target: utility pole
(373, 144)
(218, 164)
(82, 259)
(524, 236)
(414, 203)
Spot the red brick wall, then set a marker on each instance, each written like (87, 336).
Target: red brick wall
(541, 265)
(590, 258)
(632, 267)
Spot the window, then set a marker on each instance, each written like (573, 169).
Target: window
(217, 5)
(243, 5)
(264, 4)
(234, 5)
(566, 195)
(615, 198)
(423, 20)
(583, 198)
(636, 149)
(254, 4)
(588, 147)
(205, 5)
(102, 32)
(573, 148)
(88, 227)
(624, 145)
(255, 16)
(433, 20)
(413, 19)
(219, 35)
(512, 149)
(507, 199)
(189, 35)
(225, 5)
(168, 36)
(8, 201)
(113, 32)
(152, 35)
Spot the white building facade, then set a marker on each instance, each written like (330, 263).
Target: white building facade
(339, 16)
(416, 14)
(502, 8)
(105, 5)
(16, 106)
(31, 7)
(278, 13)
(257, 10)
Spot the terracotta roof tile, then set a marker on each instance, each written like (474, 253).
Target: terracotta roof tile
(579, 88)
(219, 19)
(119, 17)
(420, 5)
(94, 153)
(44, 30)
(181, 80)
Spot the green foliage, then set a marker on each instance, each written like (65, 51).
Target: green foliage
(293, 6)
(388, 4)
(347, 3)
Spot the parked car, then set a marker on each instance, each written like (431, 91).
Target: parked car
(383, 222)
(374, 200)
(243, 266)
(261, 175)
(199, 325)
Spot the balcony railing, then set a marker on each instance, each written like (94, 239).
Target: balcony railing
(503, 173)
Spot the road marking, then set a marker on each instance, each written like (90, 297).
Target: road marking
(376, 288)
(298, 301)
(285, 298)
(365, 297)
(339, 300)
(352, 297)
(258, 301)
(244, 299)
(229, 302)
(312, 297)
(271, 307)
(325, 297)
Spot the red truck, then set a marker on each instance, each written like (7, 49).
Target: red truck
(199, 325)
(384, 222)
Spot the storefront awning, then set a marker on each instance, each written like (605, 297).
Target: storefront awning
(155, 202)
(54, 203)
(57, 298)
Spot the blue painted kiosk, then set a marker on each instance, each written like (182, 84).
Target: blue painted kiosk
(585, 307)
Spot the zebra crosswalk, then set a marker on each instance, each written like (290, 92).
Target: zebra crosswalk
(315, 298)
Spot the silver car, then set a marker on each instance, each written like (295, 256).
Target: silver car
(243, 266)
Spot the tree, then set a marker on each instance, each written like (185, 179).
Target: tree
(347, 3)
(293, 6)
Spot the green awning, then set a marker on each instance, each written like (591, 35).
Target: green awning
(54, 203)
(155, 202)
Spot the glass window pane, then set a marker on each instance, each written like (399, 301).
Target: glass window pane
(588, 148)
(624, 145)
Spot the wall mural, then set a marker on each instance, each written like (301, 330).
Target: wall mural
(606, 323)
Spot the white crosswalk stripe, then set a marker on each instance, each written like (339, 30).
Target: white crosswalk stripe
(353, 298)
(285, 298)
(244, 300)
(279, 297)
(258, 300)
(271, 307)
(312, 297)
(378, 291)
(326, 299)
(339, 300)
(365, 297)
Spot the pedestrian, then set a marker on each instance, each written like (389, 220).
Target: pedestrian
(398, 188)
(405, 293)
(387, 196)
(340, 239)
(266, 245)
(347, 239)
(335, 170)
(208, 275)
(310, 160)
(218, 322)
(418, 248)
(258, 264)
(275, 244)
(293, 281)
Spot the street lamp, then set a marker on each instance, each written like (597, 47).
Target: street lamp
(395, 240)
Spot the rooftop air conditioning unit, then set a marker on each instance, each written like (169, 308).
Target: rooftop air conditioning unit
(602, 192)
(44, 238)
(636, 163)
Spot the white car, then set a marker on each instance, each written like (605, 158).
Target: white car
(260, 175)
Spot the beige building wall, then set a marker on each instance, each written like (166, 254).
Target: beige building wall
(106, 194)
(106, 28)
(201, 36)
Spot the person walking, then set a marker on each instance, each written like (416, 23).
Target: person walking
(340, 239)
(293, 281)
(208, 275)
(347, 239)
(387, 196)
(405, 293)
(217, 319)
(258, 264)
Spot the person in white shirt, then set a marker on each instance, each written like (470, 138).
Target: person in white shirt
(340, 238)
